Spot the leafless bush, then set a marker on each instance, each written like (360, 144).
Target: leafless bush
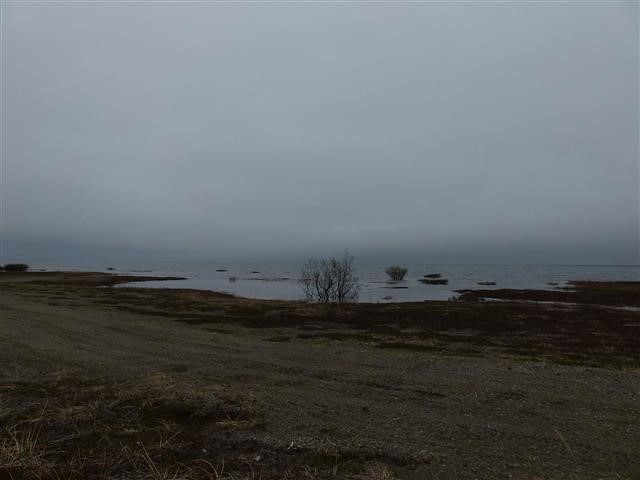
(330, 280)
(396, 272)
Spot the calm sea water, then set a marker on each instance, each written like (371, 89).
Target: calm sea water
(280, 281)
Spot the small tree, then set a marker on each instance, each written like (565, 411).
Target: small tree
(396, 272)
(330, 280)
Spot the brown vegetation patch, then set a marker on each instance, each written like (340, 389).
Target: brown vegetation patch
(624, 294)
(161, 428)
(68, 428)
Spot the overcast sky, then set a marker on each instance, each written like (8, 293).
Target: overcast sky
(433, 132)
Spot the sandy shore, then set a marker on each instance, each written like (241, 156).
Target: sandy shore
(144, 381)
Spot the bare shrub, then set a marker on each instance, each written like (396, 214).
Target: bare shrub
(331, 280)
(396, 272)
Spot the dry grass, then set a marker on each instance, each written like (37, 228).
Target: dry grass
(20, 448)
(376, 471)
(158, 429)
(67, 428)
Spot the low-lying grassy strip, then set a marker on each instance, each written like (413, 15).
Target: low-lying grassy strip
(580, 334)
(622, 294)
(583, 333)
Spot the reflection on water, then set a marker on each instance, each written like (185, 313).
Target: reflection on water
(280, 281)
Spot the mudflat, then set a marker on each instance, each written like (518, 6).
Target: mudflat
(99, 381)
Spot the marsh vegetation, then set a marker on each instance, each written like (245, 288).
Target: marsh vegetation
(396, 272)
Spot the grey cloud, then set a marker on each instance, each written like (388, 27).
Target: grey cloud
(486, 132)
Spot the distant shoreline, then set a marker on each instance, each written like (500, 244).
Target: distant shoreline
(613, 293)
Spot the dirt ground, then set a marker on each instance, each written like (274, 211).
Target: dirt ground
(431, 390)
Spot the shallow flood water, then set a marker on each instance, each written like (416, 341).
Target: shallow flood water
(280, 280)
